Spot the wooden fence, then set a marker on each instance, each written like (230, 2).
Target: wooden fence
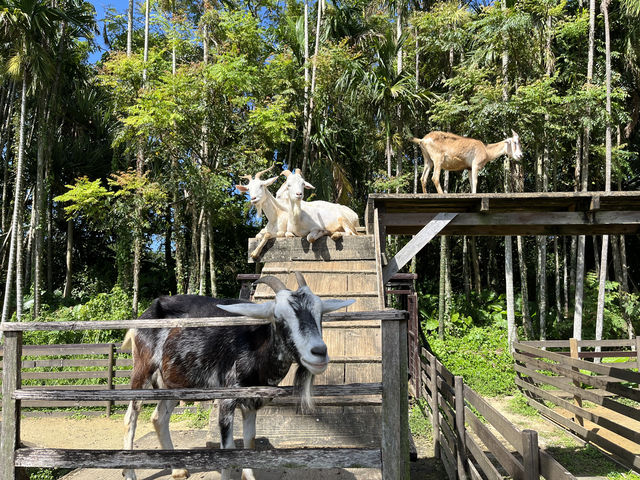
(596, 401)
(391, 457)
(473, 439)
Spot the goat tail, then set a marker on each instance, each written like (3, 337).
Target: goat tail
(303, 382)
(129, 342)
(417, 141)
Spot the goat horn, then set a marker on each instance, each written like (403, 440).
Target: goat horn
(301, 281)
(298, 171)
(273, 282)
(263, 171)
(248, 177)
(286, 173)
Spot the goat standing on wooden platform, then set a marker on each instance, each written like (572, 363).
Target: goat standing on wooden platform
(237, 356)
(442, 150)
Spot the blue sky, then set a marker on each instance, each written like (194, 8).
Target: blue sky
(101, 6)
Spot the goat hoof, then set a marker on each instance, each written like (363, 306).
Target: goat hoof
(129, 474)
(180, 474)
(336, 236)
(247, 474)
(289, 235)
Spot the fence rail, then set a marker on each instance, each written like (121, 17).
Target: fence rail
(392, 455)
(558, 382)
(464, 427)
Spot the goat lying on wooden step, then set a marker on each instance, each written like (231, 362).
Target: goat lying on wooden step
(239, 356)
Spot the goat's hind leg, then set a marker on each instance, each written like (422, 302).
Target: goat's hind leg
(130, 423)
(160, 419)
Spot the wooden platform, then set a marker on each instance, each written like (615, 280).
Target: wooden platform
(556, 213)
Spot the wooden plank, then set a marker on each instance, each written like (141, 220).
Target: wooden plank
(11, 381)
(605, 383)
(448, 460)
(460, 428)
(628, 458)
(600, 368)
(495, 446)
(389, 314)
(599, 420)
(589, 395)
(551, 469)
(395, 403)
(379, 251)
(200, 459)
(490, 471)
(356, 247)
(417, 243)
(193, 394)
(504, 427)
(530, 456)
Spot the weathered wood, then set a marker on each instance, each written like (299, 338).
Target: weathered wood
(110, 376)
(448, 460)
(378, 249)
(490, 471)
(395, 404)
(507, 429)
(460, 427)
(623, 342)
(626, 457)
(530, 455)
(356, 247)
(200, 459)
(435, 411)
(81, 395)
(600, 368)
(417, 243)
(495, 446)
(589, 395)
(600, 420)
(64, 349)
(519, 223)
(11, 381)
(189, 322)
(604, 382)
(551, 469)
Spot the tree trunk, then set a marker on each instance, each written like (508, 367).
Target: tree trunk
(307, 130)
(212, 260)
(558, 282)
(15, 248)
(466, 275)
(38, 203)
(129, 27)
(202, 285)
(475, 260)
(442, 290)
(194, 262)
(565, 277)
(69, 260)
(524, 288)
(305, 120)
(146, 41)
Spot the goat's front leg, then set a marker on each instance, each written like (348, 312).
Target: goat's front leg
(130, 423)
(249, 437)
(226, 410)
(473, 178)
(160, 419)
(316, 234)
(258, 250)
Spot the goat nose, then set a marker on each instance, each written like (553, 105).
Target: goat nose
(319, 350)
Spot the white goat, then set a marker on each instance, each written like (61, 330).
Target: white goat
(275, 210)
(314, 219)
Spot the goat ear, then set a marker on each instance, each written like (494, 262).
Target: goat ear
(255, 310)
(242, 188)
(335, 304)
(515, 135)
(308, 185)
(270, 181)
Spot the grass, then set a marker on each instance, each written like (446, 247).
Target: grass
(518, 404)
(589, 461)
(419, 424)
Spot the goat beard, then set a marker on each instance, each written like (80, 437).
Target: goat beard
(303, 383)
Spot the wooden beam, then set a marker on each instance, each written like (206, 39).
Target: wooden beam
(193, 394)
(200, 459)
(11, 380)
(417, 243)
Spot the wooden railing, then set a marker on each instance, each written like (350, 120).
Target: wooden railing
(556, 382)
(391, 457)
(464, 433)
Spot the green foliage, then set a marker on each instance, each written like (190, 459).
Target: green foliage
(115, 305)
(518, 404)
(418, 421)
(46, 473)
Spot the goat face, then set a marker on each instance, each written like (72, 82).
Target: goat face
(295, 185)
(299, 315)
(514, 149)
(257, 189)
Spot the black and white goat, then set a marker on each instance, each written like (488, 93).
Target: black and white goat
(239, 356)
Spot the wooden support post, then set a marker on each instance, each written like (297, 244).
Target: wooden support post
(637, 339)
(11, 381)
(110, 374)
(395, 401)
(531, 455)
(435, 412)
(573, 350)
(461, 445)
